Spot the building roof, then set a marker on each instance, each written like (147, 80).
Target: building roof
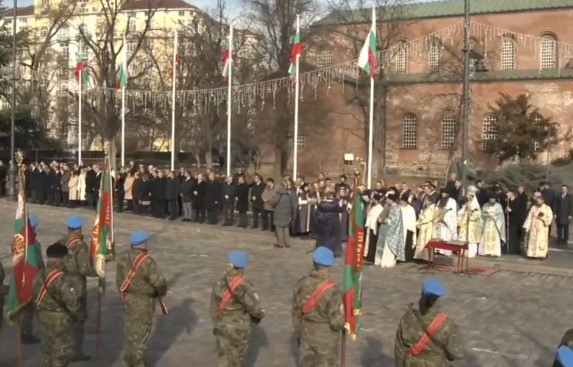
(20, 11)
(442, 9)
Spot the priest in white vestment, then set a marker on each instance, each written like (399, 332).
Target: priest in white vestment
(470, 223)
(447, 219)
(493, 233)
(372, 226)
(536, 228)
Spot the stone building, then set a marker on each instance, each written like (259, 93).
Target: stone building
(517, 46)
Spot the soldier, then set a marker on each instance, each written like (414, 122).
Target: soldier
(565, 348)
(427, 337)
(139, 282)
(234, 308)
(77, 264)
(318, 313)
(57, 299)
(27, 313)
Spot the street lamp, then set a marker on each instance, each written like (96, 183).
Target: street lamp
(12, 168)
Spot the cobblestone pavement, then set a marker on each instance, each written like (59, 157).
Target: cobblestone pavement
(507, 319)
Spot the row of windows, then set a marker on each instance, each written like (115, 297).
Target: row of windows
(448, 130)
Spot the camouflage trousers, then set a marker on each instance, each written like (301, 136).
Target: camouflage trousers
(232, 346)
(138, 319)
(78, 328)
(319, 346)
(57, 339)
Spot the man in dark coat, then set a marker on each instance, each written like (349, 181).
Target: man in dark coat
(90, 181)
(186, 192)
(228, 192)
(242, 201)
(212, 198)
(199, 198)
(283, 213)
(563, 212)
(171, 195)
(257, 204)
(517, 212)
(158, 189)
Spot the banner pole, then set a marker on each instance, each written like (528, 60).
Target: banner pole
(343, 349)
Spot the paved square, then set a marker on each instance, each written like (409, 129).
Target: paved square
(507, 319)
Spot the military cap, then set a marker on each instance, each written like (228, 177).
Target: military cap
(564, 356)
(433, 287)
(238, 259)
(139, 238)
(323, 256)
(56, 251)
(33, 220)
(75, 222)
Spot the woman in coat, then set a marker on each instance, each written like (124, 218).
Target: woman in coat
(82, 187)
(283, 213)
(328, 224)
(73, 189)
(128, 189)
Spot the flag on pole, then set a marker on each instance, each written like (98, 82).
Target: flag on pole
(26, 257)
(226, 63)
(353, 264)
(102, 245)
(81, 73)
(295, 52)
(177, 60)
(367, 59)
(122, 75)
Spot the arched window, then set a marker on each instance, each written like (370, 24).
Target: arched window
(489, 130)
(434, 55)
(402, 58)
(448, 131)
(548, 52)
(410, 132)
(508, 52)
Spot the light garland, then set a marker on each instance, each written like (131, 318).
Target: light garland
(256, 95)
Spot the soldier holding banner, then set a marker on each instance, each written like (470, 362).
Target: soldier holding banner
(140, 283)
(235, 306)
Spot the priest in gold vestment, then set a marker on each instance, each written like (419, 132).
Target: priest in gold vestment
(536, 227)
(426, 229)
(470, 223)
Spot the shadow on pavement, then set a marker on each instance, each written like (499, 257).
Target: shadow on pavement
(373, 355)
(259, 340)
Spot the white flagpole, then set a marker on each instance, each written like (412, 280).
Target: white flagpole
(174, 78)
(229, 102)
(296, 100)
(371, 116)
(124, 67)
(80, 80)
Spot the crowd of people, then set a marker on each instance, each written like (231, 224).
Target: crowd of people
(400, 220)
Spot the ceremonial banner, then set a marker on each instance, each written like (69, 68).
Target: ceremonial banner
(367, 59)
(353, 264)
(26, 257)
(102, 245)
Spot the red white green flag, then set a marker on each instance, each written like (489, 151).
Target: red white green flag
(102, 245)
(226, 60)
(353, 262)
(81, 73)
(295, 53)
(26, 257)
(122, 75)
(367, 59)
(176, 60)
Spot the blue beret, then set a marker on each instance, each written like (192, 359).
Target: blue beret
(433, 287)
(565, 356)
(323, 256)
(75, 222)
(238, 259)
(33, 220)
(139, 238)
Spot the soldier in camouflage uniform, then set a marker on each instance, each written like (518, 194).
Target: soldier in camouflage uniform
(77, 264)
(318, 313)
(235, 306)
(27, 313)
(140, 283)
(562, 353)
(563, 357)
(427, 337)
(57, 299)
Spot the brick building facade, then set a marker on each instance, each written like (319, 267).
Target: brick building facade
(518, 46)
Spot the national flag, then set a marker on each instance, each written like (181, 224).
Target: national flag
(102, 245)
(295, 53)
(26, 257)
(178, 60)
(122, 75)
(81, 73)
(353, 264)
(226, 63)
(367, 60)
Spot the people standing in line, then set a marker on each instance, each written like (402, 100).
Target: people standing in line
(268, 210)
(229, 192)
(242, 201)
(257, 189)
(235, 306)
(283, 214)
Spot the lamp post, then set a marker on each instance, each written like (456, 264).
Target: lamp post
(466, 93)
(12, 168)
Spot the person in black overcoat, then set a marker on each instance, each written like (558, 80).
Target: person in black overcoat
(257, 204)
(142, 186)
(158, 188)
(186, 192)
(563, 212)
(199, 198)
(242, 201)
(43, 184)
(90, 181)
(213, 198)
(119, 190)
(516, 213)
(53, 183)
(172, 194)
(228, 192)
(328, 224)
